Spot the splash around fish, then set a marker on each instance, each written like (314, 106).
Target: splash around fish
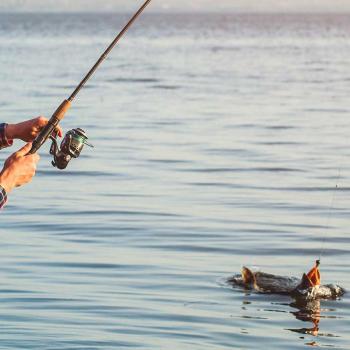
(309, 287)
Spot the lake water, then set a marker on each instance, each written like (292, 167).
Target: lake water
(219, 140)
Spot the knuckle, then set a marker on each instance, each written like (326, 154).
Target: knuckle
(42, 120)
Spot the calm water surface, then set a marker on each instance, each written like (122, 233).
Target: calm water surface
(218, 143)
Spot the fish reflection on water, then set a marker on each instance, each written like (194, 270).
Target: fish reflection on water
(307, 311)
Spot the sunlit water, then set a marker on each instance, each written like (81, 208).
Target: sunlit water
(219, 140)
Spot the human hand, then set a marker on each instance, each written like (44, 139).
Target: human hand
(19, 168)
(28, 130)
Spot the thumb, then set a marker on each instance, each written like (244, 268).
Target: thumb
(24, 150)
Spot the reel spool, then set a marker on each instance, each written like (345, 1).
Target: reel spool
(71, 147)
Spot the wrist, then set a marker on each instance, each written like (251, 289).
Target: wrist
(5, 181)
(10, 131)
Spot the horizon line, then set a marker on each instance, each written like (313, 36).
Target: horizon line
(180, 12)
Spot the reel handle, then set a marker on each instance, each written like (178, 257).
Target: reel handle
(50, 127)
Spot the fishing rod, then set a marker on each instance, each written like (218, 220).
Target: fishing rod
(75, 139)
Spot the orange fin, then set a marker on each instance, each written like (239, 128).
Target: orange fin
(305, 282)
(314, 275)
(248, 276)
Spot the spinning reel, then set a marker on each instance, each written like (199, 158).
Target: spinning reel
(71, 147)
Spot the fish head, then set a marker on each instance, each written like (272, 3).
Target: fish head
(330, 291)
(309, 292)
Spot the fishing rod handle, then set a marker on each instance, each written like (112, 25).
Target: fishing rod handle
(50, 127)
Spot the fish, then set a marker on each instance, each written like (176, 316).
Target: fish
(309, 287)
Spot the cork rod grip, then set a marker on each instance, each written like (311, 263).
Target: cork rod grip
(62, 110)
(50, 127)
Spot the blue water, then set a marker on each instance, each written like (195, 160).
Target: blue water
(219, 140)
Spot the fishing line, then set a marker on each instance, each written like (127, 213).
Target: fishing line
(329, 215)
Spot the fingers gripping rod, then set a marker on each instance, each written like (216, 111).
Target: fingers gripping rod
(66, 104)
